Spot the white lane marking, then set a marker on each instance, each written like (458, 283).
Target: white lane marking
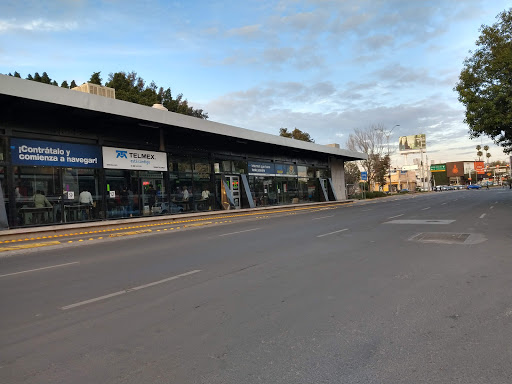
(482, 215)
(443, 203)
(364, 210)
(128, 290)
(492, 206)
(323, 217)
(431, 221)
(392, 217)
(332, 233)
(234, 233)
(424, 209)
(39, 269)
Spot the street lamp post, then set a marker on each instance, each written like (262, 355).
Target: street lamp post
(389, 159)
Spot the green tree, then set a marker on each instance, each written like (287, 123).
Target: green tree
(95, 78)
(29, 77)
(64, 84)
(132, 88)
(296, 134)
(382, 164)
(55, 83)
(73, 84)
(16, 74)
(37, 77)
(45, 78)
(485, 83)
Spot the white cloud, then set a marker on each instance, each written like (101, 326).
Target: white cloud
(38, 25)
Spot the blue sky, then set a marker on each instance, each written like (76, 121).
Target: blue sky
(325, 67)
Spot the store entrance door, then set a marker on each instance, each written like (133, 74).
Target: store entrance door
(152, 191)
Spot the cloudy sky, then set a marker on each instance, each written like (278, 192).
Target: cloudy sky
(325, 67)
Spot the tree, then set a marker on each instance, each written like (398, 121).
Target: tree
(16, 74)
(382, 164)
(296, 134)
(479, 154)
(488, 155)
(64, 84)
(73, 84)
(45, 78)
(29, 77)
(95, 78)
(352, 173)
(55, 83)
(132, 88)
(485, 83)
(371, 142)
(37, 77)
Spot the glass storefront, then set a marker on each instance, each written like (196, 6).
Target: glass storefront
(59, 194)
(38, 195)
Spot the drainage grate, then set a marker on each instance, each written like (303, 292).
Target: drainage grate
(442, 238)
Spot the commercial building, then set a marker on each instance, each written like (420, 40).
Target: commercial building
(68, 156)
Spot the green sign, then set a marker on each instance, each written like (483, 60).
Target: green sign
(438, 168)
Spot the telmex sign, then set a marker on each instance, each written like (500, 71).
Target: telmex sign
(124, 158)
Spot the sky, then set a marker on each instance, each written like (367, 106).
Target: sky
(326, 67)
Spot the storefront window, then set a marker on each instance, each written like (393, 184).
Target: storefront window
(3, 146)
(38, 195)
(182, 188)
(81, 194)
(203, 188)
(122, 193)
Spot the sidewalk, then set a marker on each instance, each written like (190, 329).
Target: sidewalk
(95, 227)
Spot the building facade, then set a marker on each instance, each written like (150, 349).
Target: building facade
(68, 156)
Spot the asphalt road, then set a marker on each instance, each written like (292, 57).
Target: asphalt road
(409, 289)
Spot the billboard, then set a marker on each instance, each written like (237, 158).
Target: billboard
(124, 158)
(411, 143)
(53, 153)
(479, 167)
(455, 169)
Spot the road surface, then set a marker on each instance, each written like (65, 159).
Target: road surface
(406, 289)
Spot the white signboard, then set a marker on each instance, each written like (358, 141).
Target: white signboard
(409, 167)
(124, 158)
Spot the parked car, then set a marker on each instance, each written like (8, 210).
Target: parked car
(474, 186)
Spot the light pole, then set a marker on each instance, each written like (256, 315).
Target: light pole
(389, 159)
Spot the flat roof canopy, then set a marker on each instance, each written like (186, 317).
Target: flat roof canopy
(20, 95)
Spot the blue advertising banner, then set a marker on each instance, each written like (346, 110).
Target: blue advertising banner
(57, 154)
(286, 170)
(264, 169)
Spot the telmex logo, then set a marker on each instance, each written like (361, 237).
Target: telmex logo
(121, 154)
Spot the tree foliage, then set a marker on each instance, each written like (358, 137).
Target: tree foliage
(485, 83)
(352, 173)
(296, 134)
(95, 78)
(132, 88)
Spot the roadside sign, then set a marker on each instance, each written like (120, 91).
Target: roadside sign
(438, 168)
(364, 176)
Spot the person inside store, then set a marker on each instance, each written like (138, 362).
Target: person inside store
(205, 195)
(186, 196)
(40, 201)
(86, 202)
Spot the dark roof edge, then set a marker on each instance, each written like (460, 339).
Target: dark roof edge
(32, 90)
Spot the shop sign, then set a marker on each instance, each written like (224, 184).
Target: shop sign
(125, 158)
(52, 153)
(455, 169)
(261, 169)
(438, 168)
(480, 167)
(286, 170)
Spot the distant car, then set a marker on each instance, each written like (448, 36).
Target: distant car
(458, 187)
(474, 186)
